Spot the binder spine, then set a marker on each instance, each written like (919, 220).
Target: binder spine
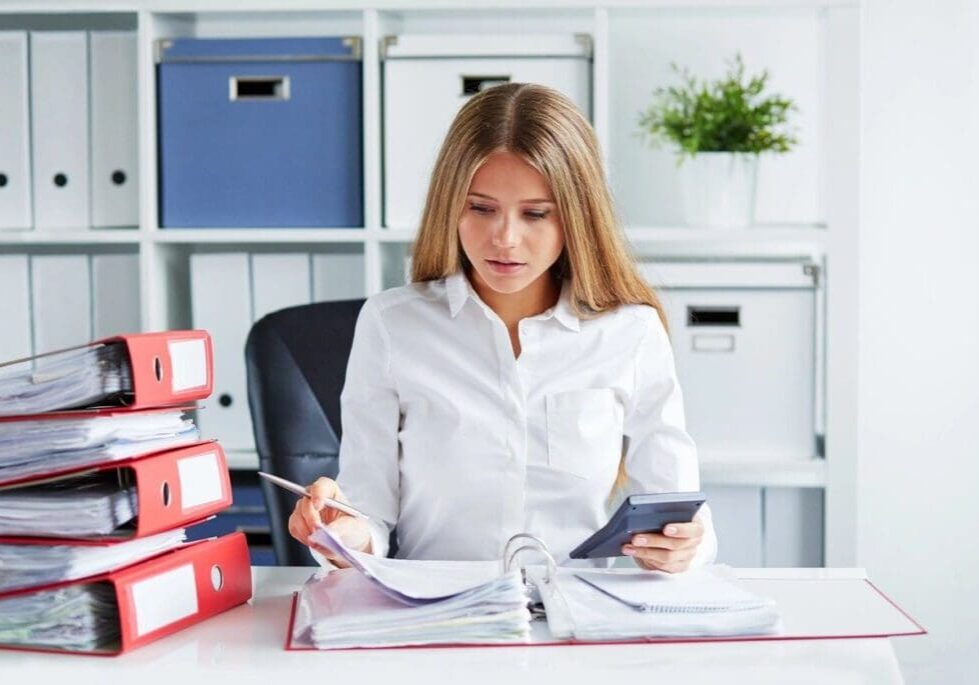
(170, 367)
(181, 487)
(175, 591)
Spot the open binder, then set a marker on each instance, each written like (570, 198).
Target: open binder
(379, 603)
(126, 371)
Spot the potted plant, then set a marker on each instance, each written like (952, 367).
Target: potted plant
(719, 130)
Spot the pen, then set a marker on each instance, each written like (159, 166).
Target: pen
(303, 492)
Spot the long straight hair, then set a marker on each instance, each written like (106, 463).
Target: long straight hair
(545, 129)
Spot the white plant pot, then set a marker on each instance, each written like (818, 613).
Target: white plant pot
(718, 189)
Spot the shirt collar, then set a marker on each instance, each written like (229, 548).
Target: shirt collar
(458, 289)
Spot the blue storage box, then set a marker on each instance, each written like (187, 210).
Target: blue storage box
(260, 132)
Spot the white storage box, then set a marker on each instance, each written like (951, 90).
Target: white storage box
(744, 338)
(427, 79)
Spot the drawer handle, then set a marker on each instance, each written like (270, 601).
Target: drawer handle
(713, 316)
(258, 88)
(712, 343)
(477, 84)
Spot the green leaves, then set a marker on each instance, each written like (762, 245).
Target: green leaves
(728, 115)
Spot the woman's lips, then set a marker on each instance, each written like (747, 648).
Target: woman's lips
(503, 267)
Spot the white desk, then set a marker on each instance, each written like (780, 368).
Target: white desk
(245, 645)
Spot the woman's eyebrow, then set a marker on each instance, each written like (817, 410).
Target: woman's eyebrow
(537, 200)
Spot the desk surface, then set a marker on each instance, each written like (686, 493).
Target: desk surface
(245, 645)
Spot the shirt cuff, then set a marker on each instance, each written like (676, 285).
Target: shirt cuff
(707, 551)
(380, 538)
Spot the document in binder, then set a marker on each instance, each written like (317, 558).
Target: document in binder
(53, 443)
(115, 612)
(117, 501)
(132, 371)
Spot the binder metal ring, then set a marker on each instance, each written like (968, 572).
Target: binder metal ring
(534, 544)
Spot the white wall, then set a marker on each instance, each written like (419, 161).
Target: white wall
(919, 334)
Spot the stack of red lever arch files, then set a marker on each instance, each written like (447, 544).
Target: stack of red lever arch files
(100, 472)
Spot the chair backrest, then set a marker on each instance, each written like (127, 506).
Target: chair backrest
(296, 360)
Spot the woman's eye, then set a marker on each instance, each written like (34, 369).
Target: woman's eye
(480, 209)
(536, 215)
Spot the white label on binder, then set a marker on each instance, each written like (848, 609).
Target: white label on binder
(189, 361)
(200, 480)
(164, 599)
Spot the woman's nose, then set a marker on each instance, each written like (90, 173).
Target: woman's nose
(505, 233)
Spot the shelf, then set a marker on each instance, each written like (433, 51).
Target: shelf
(123, 236)
(763, 241)
(262, 6)
(396, 235)
(808, 473)
(799, 473)
(799, 233)
(259, 235)
(807, 204)
(790, 237)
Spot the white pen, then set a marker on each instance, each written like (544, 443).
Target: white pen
(303, 492)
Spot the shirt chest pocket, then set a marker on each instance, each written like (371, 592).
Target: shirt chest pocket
(584, 430)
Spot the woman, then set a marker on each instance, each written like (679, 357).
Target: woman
(525, 376)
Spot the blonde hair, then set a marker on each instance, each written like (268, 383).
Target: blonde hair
(544, 128)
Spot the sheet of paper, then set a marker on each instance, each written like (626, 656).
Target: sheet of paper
(410, 581)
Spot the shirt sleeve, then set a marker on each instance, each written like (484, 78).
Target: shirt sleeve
(370, 418)
(660, 456)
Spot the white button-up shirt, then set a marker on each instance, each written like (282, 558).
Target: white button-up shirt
(461, 445)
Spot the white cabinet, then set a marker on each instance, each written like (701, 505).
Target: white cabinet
(807, 207)
(744, 340)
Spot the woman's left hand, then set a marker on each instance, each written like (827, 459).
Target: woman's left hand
(670, 551)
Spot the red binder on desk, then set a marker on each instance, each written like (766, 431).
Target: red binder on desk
(140, 370)
(157, 597)
(173, 489)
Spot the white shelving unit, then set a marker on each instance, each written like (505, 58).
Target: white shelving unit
(815, 220)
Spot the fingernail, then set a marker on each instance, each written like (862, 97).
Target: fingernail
(628, 550)
(671, 530)
(317, 503)
(642, 541)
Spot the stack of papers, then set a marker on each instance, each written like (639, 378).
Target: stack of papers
(396, 602)
(74, 378)
(78, 617)
(36, 446)
(26, 565)
(91, 505)
(631, 604)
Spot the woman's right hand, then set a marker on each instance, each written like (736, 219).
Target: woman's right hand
(353, 532)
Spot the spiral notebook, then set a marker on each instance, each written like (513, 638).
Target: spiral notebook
(379, 602)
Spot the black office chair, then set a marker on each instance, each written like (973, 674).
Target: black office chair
(297, 360)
